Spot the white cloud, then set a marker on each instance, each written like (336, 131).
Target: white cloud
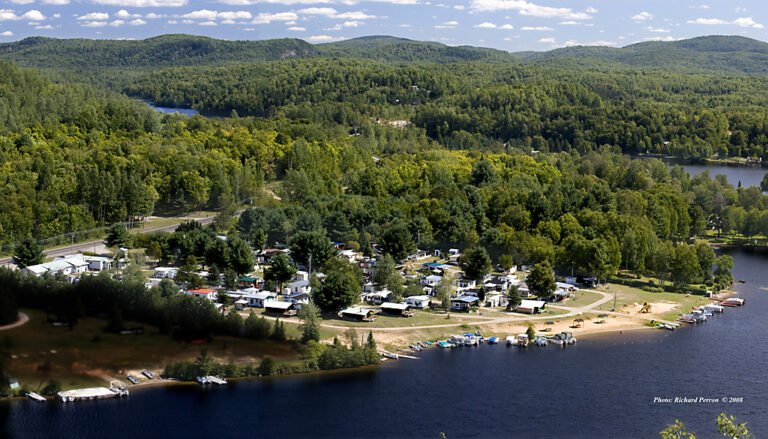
(329, 12)
(297, 29)
(657, 30)
(7, 33)
(33, 15)
(459, 7)
(643, 16)
(548, 40)
(94, 16)
(278, 2)
(485, 25)
(447, 25)
(142, 3)
(570, 23)
(55, 2)
(21, 2)
(202, 14)
(667, 38)
(320, 38)
(571, 43)
(117, 23)
(537, 28)
(741, 22)
(356, 15)
(506, 27)
(351, 24)
(266, 18)
(527, 8)
(44, 27)
(699, 7)
(740, 9)
(95, 24)
(137, 22)
(591, 10)
(208, 23)
(153, 16)
(122, 13)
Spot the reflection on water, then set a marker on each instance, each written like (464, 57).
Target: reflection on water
(184, 111)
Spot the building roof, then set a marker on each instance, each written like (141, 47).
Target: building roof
(395, 306)
(434, 277)
(264, 295)
(278, 304)
(201, 291)
(37, 269)
(165, 269)
(564, 285)
(466, 299)
(418, 298)
(248, 279)
(531, 303)
(297, 284)
(357, 311)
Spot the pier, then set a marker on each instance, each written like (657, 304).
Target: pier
(91, 393)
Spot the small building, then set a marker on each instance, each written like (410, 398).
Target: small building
(205, 293)
(466, 283)
(76, 261)
(399, 309)
(301, 275)
(258, 300)
(464, 303)
(431, 280)
(378, 297)
(531, 306)
(494, 299)
(358, 313)
(247, 282)
(280, 308)
(297, 298)
(299, 286)
(418, 302)
(98, 263)
(165, 272)
(241, 304)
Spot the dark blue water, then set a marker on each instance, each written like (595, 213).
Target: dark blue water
(601, 388)
(184, 111)
(748, 176)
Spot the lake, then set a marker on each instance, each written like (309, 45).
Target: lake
(602, 387)
(747, 175)
(184, 111)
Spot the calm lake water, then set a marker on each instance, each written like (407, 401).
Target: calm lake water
(184, 111)
(601, 388)
(748, 176)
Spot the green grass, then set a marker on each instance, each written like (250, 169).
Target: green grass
(83, 356)
(582, 298)
(626, 295)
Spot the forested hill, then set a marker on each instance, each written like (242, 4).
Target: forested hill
(188, 50)
(709, 54)
(163, 51)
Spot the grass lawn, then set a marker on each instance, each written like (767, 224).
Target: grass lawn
(87, 355)
(582, 298)
(629, 295)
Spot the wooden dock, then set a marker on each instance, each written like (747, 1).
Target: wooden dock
(91, 393)
(36, 397)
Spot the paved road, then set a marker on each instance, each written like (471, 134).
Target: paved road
(91, 245)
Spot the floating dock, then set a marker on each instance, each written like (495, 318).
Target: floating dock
(91, 393)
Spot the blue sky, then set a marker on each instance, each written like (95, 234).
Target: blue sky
(511, 25)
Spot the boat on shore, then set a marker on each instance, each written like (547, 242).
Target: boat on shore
(445, 344)
(216, 380)
(511, 340)
(493, 340)
(733, 302)
(36, 397)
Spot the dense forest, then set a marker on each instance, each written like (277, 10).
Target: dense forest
(525, 161)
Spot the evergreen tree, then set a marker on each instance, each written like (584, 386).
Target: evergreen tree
(27, 252)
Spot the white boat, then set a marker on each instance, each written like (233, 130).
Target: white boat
(540, 341)
(522, 340)
(733, 301)
(511, 340)
(35, 397)
(202, 380)
(216, 380)
(714, 308)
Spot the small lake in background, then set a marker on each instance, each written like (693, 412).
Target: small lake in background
(171, 110)
(747, 175)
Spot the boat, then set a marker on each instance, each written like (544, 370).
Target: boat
(390, 355)
(148, 374)
(522, 340)
(511, 340)
(35, 397)
(733, 302)
(216, 380)
(687, 318)
(540, 341)
(133, 379)
(493, 340)
(445, 344)
(202, 380)
(714, 308)
(666, 326)
(415, 348)
(699, 316)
